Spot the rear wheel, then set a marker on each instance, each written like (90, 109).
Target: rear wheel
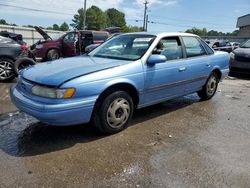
(114, 113)
(209, 89)
(53, 54)
(6, 70)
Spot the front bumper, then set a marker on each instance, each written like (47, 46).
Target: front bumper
(239, 67)
(70, 113)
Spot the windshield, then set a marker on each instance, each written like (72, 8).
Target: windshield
(125, 47)
(246, 44)
(57, 36)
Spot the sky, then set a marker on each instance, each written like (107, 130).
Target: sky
(166, 15)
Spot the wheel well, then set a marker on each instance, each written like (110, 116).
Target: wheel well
(53, 49)
(218, 73)
(124, 87)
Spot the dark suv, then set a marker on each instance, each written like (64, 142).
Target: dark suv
(66, 44)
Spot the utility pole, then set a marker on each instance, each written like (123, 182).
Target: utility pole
(145, 13)
(84, 14)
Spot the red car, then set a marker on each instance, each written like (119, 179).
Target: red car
(66, 44)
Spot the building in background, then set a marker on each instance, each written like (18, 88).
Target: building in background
(243, 24)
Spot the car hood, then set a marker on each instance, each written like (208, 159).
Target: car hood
(55, 73)
(43, 33)
(245, 52)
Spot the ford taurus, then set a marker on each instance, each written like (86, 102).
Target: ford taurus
(128, 72)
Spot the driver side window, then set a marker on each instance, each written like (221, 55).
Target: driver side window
(169, 47)
(71, 37)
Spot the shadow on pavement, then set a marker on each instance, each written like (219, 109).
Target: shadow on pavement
(21, 135)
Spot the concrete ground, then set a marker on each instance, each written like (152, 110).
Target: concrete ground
(180, 143)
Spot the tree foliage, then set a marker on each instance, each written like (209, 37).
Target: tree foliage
(204, 32)
(115, 18)
(64, 27)
(78, 19)
(96, 19)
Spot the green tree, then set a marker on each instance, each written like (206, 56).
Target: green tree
(3, 22)
(133, 29)
(197, 31)
(78, 19)
(56, 27)
(64, 27)
(96, 19)
(115, 18)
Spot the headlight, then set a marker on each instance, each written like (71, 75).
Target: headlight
(53, 92)
(232, 55)
(39, 46)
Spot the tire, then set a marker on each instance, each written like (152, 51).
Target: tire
(114, 112)
(209, 89)
(53, 54)
(6, 70)
(23, 63)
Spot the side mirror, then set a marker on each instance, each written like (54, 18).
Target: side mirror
(153, 59)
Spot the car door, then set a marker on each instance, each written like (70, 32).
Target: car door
(69, 44)
(198, 63)
(165, 80)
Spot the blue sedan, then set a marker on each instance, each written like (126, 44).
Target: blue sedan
(128, 72)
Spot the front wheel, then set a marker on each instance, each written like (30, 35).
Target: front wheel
(114, 113)
(209, 89)
(53, 54)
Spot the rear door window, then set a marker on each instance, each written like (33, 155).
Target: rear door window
(193, 47)
(100, 36)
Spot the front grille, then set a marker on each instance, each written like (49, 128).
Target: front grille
(242, 58)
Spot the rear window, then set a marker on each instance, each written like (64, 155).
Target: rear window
(193, 47)
(5, 40)
(100, 36)
(208, 49)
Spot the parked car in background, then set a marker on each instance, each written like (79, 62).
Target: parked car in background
(9, 51)
(91, 47)
(14, 36)
(221, 45)
(240, 59)
(235, 45)
(66, 44)
(127, 72)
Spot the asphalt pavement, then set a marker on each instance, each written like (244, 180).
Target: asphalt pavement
(179, 143)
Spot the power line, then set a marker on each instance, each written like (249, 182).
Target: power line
(164, 23)
(35, 10)
(187, 20)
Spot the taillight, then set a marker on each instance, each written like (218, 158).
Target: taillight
(24, 47)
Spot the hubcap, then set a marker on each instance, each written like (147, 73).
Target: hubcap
(211, 85)
(118, 113)
(6, 70)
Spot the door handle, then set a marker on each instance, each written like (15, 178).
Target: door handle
(182, 69)
(208, 64)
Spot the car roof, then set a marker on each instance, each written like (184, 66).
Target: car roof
(161, 34)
